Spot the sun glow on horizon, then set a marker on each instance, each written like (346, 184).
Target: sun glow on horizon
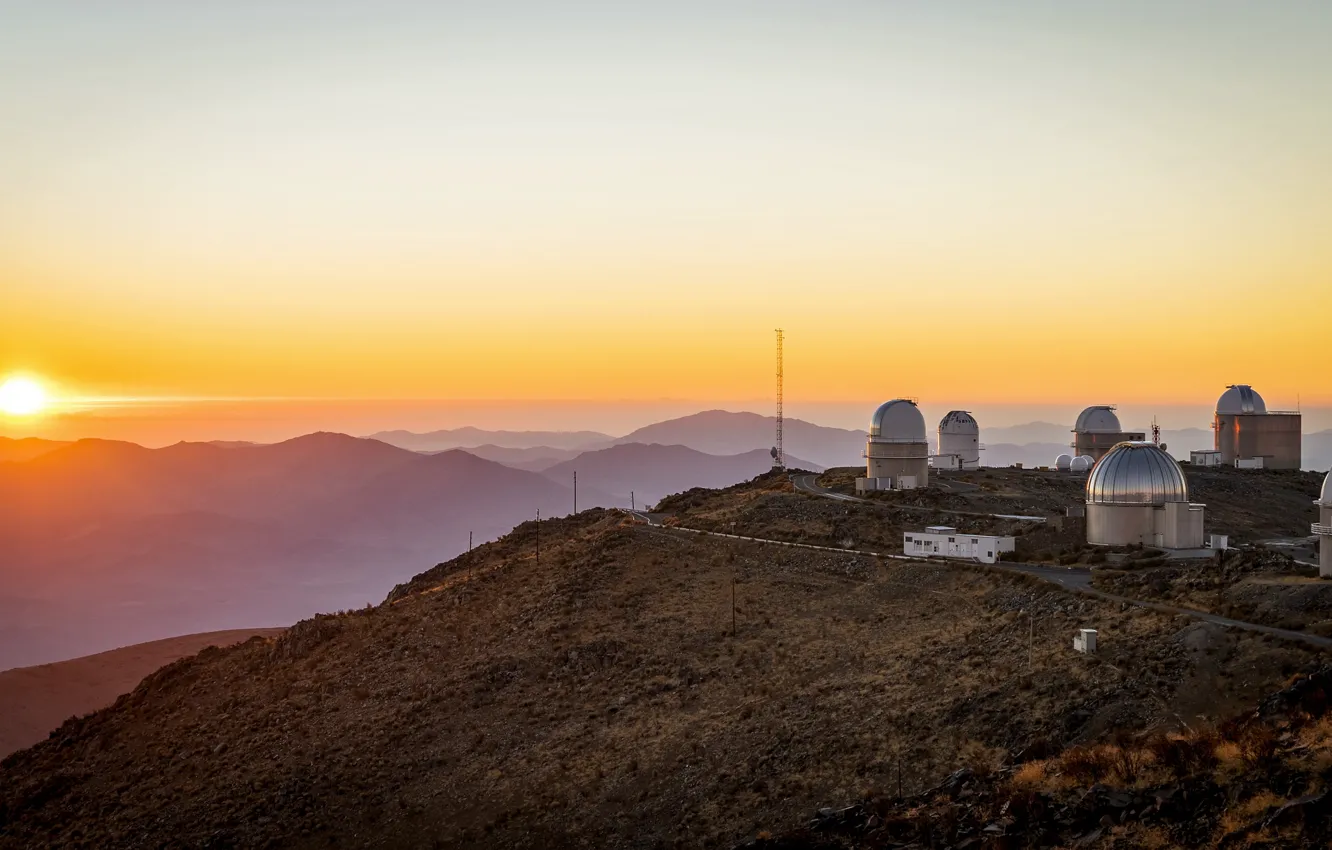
(21, 396)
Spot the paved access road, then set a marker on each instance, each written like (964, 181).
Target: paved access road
(1072, 579)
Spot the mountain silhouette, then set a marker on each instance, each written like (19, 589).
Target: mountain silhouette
(653, 471)
(722, 432)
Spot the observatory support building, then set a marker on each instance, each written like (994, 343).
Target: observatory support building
(959, 441)
(897, 451)
(1323, 528)
(1248, 434)
(1097, 431)
(1137, 493)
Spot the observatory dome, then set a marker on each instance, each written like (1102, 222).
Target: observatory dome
(1240, 399)
(1136, 473)
(1099, 418)
(958, 422)
(1080, 464)
(1325, 498)
(898, 421)
(1063, 462)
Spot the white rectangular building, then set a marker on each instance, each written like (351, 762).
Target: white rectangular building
(1205, 457)
(945, 542)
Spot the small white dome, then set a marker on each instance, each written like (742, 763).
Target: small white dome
(898, 421)
(1240, 398)
(1326, 497)
(959, 422)
(1080, 464)
(1136, 473)
(1091, 461)
(1098, 419)
(1063, 462)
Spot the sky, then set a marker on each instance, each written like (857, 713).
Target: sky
(1003, 204)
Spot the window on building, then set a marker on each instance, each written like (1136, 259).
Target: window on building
(974, 540)
(950, 540)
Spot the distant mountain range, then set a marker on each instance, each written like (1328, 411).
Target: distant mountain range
(108, 543)
(458, 438)
(651, 472)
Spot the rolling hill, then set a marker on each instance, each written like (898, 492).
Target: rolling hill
(35, 700)
(111, 543)
(457, 438)
(722, 432)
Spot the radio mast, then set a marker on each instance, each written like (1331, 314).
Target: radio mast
(778, 458)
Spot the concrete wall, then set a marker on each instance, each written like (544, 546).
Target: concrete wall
(1120, 525)
(1275, 437)
(1181, 525)
(893, 460)
(966, 447)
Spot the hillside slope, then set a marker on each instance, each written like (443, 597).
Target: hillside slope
(36, 700)
(581, 684)
(724, 432)
(107, 543)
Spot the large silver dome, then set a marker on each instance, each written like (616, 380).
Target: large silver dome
(1240, 398)
(898, 421)
(959, 422)
(1098, 419)
(1136, 473)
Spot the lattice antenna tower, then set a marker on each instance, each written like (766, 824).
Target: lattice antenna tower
(778, 458)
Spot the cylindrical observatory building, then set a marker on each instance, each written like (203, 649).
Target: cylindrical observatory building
(959, 441)
(1248, 434)
(1137, 493)
(1097, 431)
(897, 453)
(1323, 528)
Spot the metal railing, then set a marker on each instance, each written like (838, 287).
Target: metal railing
(1321, 528)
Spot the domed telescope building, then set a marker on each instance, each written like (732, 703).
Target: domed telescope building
(1097, 431)
(1137, 493)
(1323, 528)
(959, 442)
(897, 453)
(1249, 435)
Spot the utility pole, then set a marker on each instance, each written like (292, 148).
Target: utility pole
(469, 542)
(575, 491)
(538, 536)
(632, 506)
(733, 606)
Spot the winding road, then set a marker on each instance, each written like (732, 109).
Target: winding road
(1071, 579)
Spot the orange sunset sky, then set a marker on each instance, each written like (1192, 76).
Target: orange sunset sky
(1028, 201)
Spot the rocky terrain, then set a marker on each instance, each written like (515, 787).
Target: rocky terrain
(597, 681)
(1258, 585)
(1258, 780)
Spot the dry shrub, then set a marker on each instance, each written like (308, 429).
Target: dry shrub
(1086, 764)
(1031, 775)
(1184, 755)
(1126, 762)
(1258, 745)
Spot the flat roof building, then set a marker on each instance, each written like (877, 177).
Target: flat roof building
(944, 541)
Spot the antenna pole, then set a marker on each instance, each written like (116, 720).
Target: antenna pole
(779, 458)
(575, 491)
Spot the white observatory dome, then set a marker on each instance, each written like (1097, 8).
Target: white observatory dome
(1091, 461)
(1240, 398)
(1064, 462)
(1136, 473)
(897, 421)
(1080, 464)
(1325, 498)
(959, 422)
(1100, 419)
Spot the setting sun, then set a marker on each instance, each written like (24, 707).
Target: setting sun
(22, 397)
